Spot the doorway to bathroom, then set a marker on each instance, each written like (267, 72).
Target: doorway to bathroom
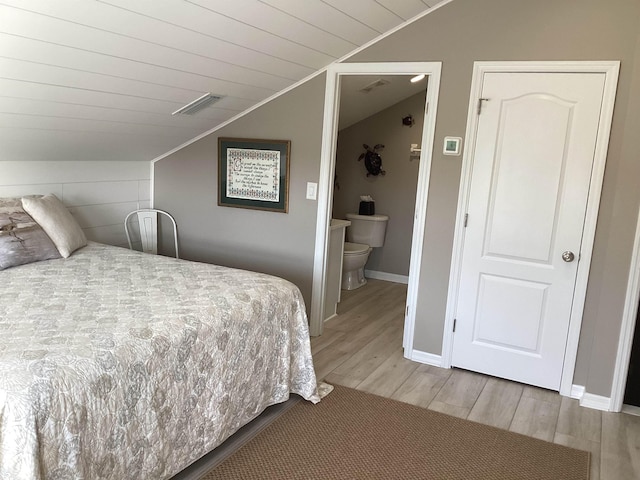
(385, 113)
(372, 75)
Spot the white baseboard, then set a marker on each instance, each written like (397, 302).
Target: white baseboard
(596, 402)
(330, 317)
(389, 277)
(426, 358)
(631, 410)
(589, 400)
(577, 391)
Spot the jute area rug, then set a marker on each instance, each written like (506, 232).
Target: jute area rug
(356, 435)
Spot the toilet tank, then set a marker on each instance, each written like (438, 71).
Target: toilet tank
(368, 229)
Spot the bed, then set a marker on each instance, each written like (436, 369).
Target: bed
(118, 364)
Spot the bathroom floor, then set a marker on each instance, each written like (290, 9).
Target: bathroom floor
(362, 348)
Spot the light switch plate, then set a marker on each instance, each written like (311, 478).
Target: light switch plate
(312, 191)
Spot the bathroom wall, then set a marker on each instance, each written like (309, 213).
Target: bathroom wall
(394, 193)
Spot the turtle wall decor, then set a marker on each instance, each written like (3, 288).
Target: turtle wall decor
(372, 159)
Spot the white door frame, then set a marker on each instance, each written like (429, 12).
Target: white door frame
(610, 70)
(625, 342)
(327, 169)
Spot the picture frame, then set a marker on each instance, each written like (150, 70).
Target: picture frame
(254, 173)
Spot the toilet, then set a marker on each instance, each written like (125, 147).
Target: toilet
(365, 233)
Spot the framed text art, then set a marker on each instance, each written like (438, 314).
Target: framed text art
(254, 173)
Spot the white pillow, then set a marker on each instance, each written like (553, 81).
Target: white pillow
(57, 222)
(22, 240)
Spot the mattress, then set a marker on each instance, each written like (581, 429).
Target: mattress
(117, 364)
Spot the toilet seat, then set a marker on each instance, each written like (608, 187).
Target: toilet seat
(355, 248)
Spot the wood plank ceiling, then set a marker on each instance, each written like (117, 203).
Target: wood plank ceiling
(98, 80)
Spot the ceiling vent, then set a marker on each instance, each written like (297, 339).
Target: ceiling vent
(375, 84)
(198, 104)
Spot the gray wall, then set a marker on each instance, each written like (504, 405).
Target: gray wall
(468, 30)
(457, 35)
(186, 185)
(395, 192)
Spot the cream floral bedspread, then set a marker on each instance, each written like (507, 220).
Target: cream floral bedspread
(121, 365)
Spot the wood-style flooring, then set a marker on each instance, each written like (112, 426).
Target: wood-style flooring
(362, 348)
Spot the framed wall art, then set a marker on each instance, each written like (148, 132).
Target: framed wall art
(254, 173)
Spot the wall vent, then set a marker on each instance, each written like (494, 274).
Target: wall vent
(198, 104)
(375, 84)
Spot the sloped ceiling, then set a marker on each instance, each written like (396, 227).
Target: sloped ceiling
(98, 80)
(357, 102)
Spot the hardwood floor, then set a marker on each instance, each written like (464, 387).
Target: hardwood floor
(362, 348)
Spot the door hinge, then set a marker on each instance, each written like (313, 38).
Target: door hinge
(406, 311)
(454, 324)
(480, 100)
(466, 219)
(426, 109)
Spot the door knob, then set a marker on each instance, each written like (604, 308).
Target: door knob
(568, 256)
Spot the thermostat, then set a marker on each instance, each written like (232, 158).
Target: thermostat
(452, 146)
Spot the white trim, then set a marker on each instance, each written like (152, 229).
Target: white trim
(458, 237)
(300, 82)
(388, 277)
(327, 168)
(629, 315)
(577, 391)
(151, 185)
(610, 70)
(589, 400)
(631, 410)
(426, 358)
(420, 213)
(325, 193)
(330, 317)
(597, 402)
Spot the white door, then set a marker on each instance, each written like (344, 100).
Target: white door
(532, 164)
